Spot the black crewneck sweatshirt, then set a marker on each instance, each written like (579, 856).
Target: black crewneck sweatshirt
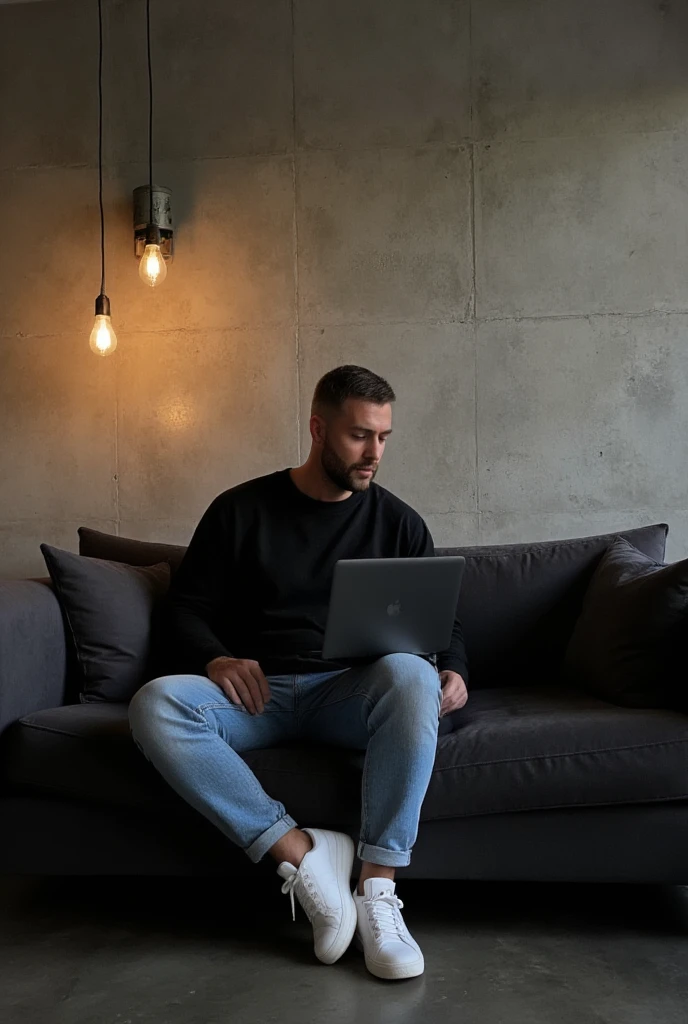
(256, 577)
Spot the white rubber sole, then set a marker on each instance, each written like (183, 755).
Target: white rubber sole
(341, 849)
(391, 972)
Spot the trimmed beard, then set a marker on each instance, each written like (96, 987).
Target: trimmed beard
(341, 474)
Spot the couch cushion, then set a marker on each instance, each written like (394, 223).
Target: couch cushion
(515, 750)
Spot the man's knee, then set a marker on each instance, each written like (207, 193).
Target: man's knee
(408, 674)
(154, 701)
(150, 696)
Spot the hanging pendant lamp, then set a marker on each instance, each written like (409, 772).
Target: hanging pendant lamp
(153, 241)
(103, 340)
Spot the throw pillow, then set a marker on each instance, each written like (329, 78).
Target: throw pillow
(630, 643)
(110, 610)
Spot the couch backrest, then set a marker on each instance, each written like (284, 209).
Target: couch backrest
(519, 602)
(95, 544)
(518, 607)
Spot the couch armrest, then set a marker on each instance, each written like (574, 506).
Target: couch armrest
(33, 650)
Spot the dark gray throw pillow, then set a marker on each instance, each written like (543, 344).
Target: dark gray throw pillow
(630, 643)
(110, 610)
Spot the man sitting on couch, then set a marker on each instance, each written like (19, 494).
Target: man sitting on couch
(249, 604)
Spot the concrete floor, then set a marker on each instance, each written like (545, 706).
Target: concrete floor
(169, 951)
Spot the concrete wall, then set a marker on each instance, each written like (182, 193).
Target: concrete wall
(485, 202)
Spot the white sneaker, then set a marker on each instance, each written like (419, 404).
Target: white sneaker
(321, 885)
(390, 951)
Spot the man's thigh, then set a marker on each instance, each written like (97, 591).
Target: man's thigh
(232, 722)
(336, 710)
(276, 723)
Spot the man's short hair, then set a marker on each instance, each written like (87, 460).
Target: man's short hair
(344, 382)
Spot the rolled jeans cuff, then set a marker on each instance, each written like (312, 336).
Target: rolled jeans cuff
(389, 858)
(260, 846)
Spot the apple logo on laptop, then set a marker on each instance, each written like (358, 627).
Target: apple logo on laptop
(395, 608)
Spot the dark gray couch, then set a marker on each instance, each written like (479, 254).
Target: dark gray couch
(535, 780)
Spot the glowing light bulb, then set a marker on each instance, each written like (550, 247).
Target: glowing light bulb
(103, 340)
(152, 268)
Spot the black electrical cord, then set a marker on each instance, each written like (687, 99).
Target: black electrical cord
(150, 114)
(100, 147)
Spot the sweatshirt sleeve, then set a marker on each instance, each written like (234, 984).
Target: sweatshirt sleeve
(454, 658)
(196, 592)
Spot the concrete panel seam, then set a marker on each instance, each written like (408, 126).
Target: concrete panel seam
(11, 168)
(399, 147)
(659, 510)
(242, 328)
(426, 322)
(498, 139)
(177, 160)
(117, 509)
(473, 307)
(470, 69)
(475, 418)
(583, 315)
(297, 337)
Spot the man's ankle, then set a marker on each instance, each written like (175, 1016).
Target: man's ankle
(369, 870)
(292, 847)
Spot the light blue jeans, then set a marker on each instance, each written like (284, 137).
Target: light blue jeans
(193, 735)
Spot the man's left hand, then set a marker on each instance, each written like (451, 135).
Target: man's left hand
(454, 692)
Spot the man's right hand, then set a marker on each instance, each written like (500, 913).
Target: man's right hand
(242, 680)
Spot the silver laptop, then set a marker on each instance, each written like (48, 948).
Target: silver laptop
(392, 605)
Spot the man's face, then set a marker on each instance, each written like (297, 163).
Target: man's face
(353, 443)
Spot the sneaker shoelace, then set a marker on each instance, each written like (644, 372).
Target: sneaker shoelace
(383, 914)
(310, 897)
